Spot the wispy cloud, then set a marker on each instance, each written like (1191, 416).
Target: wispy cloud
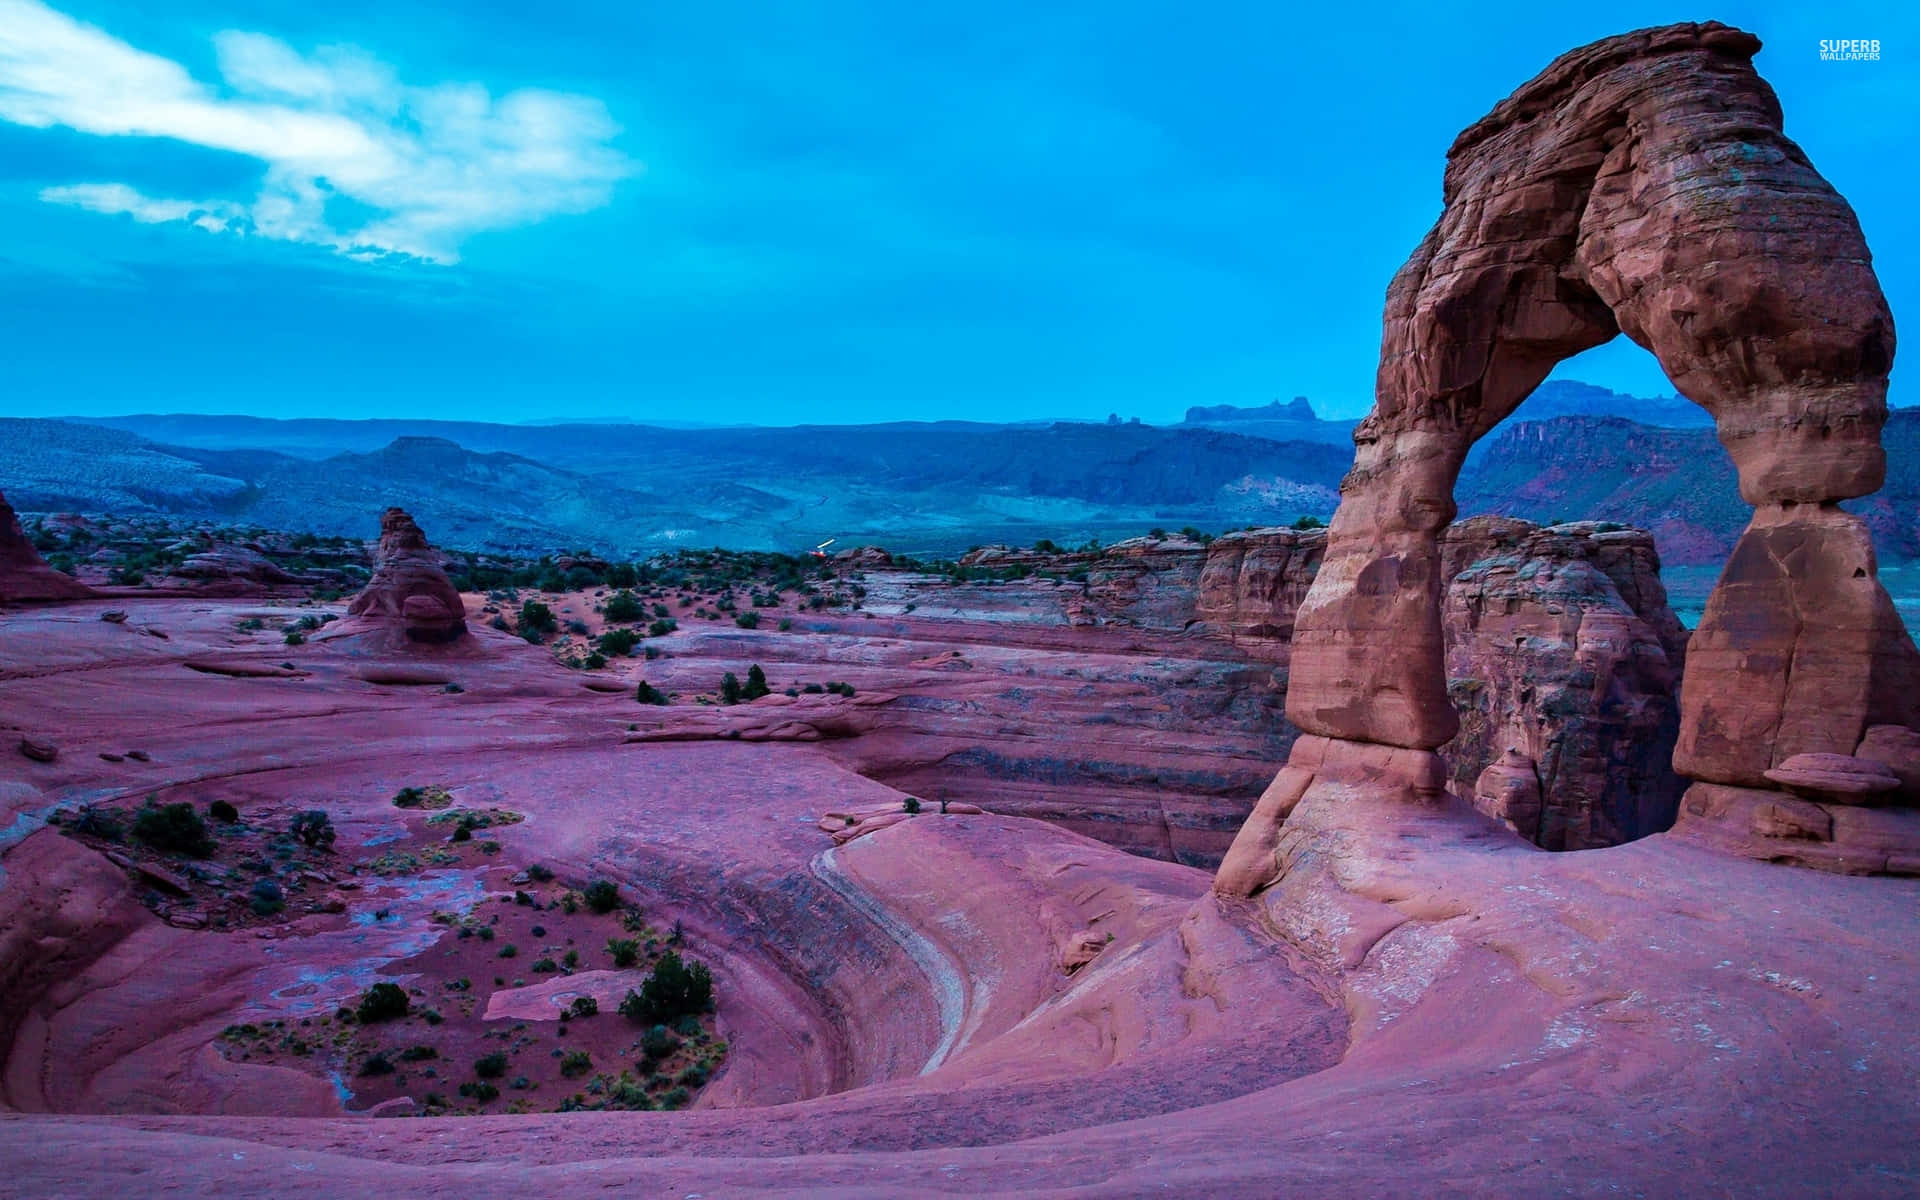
(421, 168)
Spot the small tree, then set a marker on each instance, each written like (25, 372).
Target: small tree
(623, 606)
(675, 988)
(624, 951)
(730, 689)
(756, 683)
(648, 694)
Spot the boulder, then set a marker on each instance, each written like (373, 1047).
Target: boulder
(1835, 778)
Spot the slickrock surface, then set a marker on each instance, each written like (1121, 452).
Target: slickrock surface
(24, 575)
(933, 1006)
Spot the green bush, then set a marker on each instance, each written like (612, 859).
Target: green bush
(223, 812)
(674, 989)
(174, 827)
(582, 1007)
(576, 1063)
(648, 694)
(314, 828)
(658, 1042)
(382, 1002)
(98, 822)
(602, 895)
(491, 1066)
(748, 620)
(624, 951)
(624, 606)
(730, 689)
(537, 617)
(662, 627)
(265, 898)
(377, 1064)
(618, 643)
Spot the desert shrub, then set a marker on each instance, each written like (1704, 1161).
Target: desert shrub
(911, 804)
(748, 620)
(624, 606)
(1309, 523)
(730, 688)
(695, 1075)
(482, 1091)
(624, 951)
(582, 1007)
(265, 898)
(658, 1042)
(602, 895)
(539, 874)
(377, 1064)
(174, 827)
(576, 1063)
(418, 1053)
(295, 638)
(314, 828)
(98, 822)
(756, 683)
(592, 662)
(544, 966)
(222, 811)
(382, 1002)
(664, 626)
(491, 1066)
(618, 643)
(675, 1098)
(648, 694)
(509, 951)
(675, 988)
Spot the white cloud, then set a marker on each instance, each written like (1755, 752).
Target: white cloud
(428, 166)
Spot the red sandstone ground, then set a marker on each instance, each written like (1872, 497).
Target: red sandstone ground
(1433, 1007)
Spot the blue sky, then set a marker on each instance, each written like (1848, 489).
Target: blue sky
(710, 211)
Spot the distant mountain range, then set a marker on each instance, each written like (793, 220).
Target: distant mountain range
(938, 487)
(935, 487)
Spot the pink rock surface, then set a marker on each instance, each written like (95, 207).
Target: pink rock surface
(899, 1012)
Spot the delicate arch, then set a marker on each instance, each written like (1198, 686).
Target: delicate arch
(1642, 185)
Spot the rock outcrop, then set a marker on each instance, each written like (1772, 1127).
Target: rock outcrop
(1565, 225)
(1561, 650)
(409, 593)
(24, 575)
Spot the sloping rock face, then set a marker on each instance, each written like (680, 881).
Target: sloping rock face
(1563, 661)
(24, 575)
(409, 592)
(1643, 185)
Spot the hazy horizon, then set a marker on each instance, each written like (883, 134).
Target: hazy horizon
(722, 214)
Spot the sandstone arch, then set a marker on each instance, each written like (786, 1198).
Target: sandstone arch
(1639, 185)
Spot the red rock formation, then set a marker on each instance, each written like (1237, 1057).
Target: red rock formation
(1561, 650)
(409, 592)
(24, 575)
(1564, 226)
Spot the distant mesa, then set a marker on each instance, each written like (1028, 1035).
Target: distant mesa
(409, 592)
(24, 575)
(1297, 409)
